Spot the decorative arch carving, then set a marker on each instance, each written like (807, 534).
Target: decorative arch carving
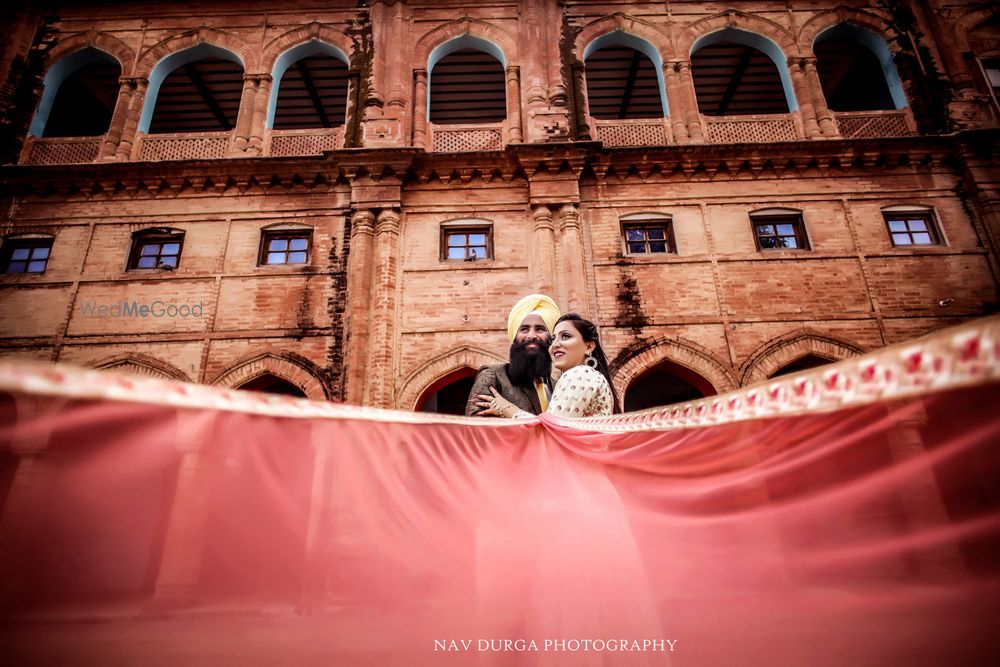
(742, 21)
(689, 354)
(101, 41)
(970, 21)
(299, 372)
(416, 382)
(136, 363)
(833, 17)
(466, 26)
(313, 31)
(202, 35)
(785, 349)
(625, 23)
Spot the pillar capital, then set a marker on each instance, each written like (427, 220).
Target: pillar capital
(362, 222)
(387, 222)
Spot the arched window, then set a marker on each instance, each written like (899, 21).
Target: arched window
(624, 78)
(272, 384)
(466, 82)
(740, 73)
(448, 395)
(912, 226)
(856, 69)
(664, 384)
(195, 90)
(80, 94)
(801, 364)
(310, 88)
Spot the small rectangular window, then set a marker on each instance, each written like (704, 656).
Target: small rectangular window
(285, 247)
(156, 250)
(908, 228)
(779, 232)
(466, 243)
(649, 238)
(25, 255)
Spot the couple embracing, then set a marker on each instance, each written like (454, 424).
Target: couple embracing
(544, 343)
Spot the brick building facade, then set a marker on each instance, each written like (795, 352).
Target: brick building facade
(713, 244)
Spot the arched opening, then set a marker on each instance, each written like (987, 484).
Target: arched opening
(80, 95)
(740, 73)
(466, 82)
(448, 395)
(195, 90)
(272, 384)
(664, 384)
(856, 70)
(803, 363)
(310, 88)
(624, 78)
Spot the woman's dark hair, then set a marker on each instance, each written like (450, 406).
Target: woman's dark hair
(588, 330)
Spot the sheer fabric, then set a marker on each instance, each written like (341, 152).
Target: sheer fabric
(848, 516)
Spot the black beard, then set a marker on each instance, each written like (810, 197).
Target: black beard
(527, 365)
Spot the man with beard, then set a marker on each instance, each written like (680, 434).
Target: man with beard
(524, 381)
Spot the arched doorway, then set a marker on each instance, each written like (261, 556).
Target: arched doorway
(801, 364)
(272, 384)
(448, 395)
(664, 384)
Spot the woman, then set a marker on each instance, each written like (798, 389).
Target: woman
(584, 389)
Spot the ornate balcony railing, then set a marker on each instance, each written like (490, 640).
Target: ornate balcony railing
(61, 150)
(639, 132)
(750, 129)
(865, 124)
(304, 142)
(466, 138)
(189, 146)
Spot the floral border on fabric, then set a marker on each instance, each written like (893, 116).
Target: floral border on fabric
(961, 356)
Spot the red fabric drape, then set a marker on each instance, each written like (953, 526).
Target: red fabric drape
(865, 535)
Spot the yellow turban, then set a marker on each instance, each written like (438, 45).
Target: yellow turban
(533, 304)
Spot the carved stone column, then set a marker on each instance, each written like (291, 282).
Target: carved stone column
(241, 137)
(804, 97)
(183, 549)
(136, 101)
(514, 104)
(378, 390)
(583, 132)
(827, 125)
(543, 250)
(109, 149)
(695, 131)
(260, 102)
(359, 280)
(420, 108)
(574, 276)
(675, 100)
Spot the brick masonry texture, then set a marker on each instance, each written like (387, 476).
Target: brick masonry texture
(376, 316)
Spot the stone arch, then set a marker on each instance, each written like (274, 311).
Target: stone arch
(62, 68)
(466, 26)
(785, 349)
(823, 21)
(136, 363)
(635, 361)
(226, 41)
(630, 25)
(101, 41)
(299, 372)
(873, 40)
(313, 32)
(969, 22)
(413, 386)
(741, 21)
